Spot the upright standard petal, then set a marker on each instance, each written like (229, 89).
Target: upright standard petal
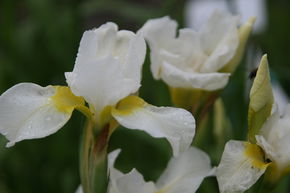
(241, 165)
(219, 40)
(29, 111)
(176, 125)
(108, 66)
(158, 32)
(185, 172)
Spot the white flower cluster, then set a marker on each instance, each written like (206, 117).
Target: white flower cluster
(104, 85)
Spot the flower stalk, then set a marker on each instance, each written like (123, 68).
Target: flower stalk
(198, 102)
(93, 158)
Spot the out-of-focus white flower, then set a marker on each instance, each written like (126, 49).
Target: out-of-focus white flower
(196, 59)
(184, 173)
(197, 11)
(107, 72)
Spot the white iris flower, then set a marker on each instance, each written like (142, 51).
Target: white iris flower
(196, 59)
(184, 173)
(107, 72)
(242, 163)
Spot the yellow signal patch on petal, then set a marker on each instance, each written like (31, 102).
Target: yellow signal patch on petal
(128, 105)
(256, 154)
(241, 165)
(65, 101)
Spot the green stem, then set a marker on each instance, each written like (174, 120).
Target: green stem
(84, 156)
(205, 108)
(93, 159)
(99, 166)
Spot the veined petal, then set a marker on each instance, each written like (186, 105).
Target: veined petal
(241, 165)
(185, 172)
(219, 39)
(181, 79)
(108, 66)
(30, 111)
(132, 182)
(176, 125)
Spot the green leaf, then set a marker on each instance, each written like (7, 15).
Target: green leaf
(261, 100)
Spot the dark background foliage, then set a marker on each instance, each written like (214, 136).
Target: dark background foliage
(38, 43)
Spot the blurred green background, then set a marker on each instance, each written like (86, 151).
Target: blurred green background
(38, 43)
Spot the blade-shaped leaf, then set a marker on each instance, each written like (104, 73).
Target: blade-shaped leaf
(261, 100)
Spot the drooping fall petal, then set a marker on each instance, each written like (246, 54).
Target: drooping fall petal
(176, 125)
(29, 111)
(241, 165)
